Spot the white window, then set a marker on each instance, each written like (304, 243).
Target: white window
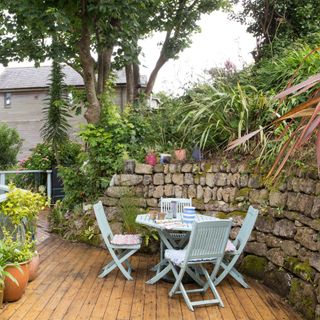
(7, 100)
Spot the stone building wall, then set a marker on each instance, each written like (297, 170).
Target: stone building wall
(284, 249)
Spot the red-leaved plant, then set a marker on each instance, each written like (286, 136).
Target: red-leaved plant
(305, 116)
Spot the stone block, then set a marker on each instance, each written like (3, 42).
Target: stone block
(177, 178)
(300, 202)
(186, 167)
(276, 256)
(302, 296)
(220, 179)
(152, 202)
(219, 194)
(199, 192)
(158, 168)
(168, 178)
(285, 228)
(244, 179)
(178, 191)
(307, 186)
(158, 179)
(265, 223)
(278, 280)
(116, 192)
(142, 168)
(158, 192)
(192, 191)
(272, 241)
(147, 179)
(277, 199)
(172, 168)
(254, 182)
(202, 180)
(108, 201)
(315, 212)
(256, 248)
(308, 238)
(254, 266)
(169, 190)
(290, 247)
(188, 178)
(259, 196)
(130, 179)
(235, 180)
(210, 179)
(207, 194)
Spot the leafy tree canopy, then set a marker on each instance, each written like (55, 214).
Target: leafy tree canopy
(281, 20)
(89, 32)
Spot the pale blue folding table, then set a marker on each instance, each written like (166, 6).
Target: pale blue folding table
(165, 228)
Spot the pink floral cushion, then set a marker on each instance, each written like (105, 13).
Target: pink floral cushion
(126, 239)
(230, 246)
(178, 256)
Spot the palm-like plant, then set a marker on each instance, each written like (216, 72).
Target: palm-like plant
(55, 127)
(300, 123)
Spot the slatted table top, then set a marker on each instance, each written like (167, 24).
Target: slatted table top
(171, 224)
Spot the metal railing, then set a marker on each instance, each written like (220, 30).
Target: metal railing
(4, 188)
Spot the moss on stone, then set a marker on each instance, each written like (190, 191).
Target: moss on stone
(243, 192)
(301, 269)
(207, 167)
(302, 302)
(254, 266)
(236, 213)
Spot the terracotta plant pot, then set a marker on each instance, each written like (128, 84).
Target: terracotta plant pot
(180, 154)
(151, 158)
(34, 266)
(1, 297)
(12, 292)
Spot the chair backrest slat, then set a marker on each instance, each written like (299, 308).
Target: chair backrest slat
(165, 204)
(246, 229)
(208, 239)
(102, 222)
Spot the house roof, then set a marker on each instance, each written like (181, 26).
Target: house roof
(31, 77)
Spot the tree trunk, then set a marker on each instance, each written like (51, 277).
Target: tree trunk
(104, 66)
(161, 61)
(130, 83)
(87, 62)
(137, 83)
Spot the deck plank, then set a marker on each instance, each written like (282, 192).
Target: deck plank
(67, 287)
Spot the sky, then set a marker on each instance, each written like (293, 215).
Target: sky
(220, 39)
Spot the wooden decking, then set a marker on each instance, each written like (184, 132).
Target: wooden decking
(67, 287)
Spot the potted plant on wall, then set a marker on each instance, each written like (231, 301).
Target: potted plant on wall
(180, 153)
(151, 157)
(129, 164)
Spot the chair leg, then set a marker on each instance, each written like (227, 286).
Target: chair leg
(229, 269)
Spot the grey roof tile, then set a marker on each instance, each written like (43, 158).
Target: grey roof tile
(31, 77)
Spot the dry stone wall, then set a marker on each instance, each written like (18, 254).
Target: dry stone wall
(284, 248)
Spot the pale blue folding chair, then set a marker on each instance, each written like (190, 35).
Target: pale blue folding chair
(178, 240)
(231, 258)
(120, 247)
(207, 243)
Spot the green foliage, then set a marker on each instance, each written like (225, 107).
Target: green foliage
(75, 225)
(218, 112)
(276, 24)
(16, 251)
(42, 157)
(55, 127)
(10, 144)
(22, 206)
(128, 207)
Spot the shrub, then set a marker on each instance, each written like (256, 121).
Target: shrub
(10, 144)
